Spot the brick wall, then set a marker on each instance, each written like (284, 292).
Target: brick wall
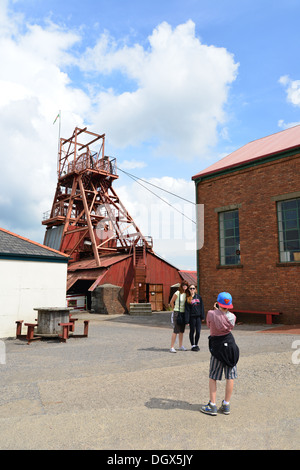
(261, 282)
(109, 300)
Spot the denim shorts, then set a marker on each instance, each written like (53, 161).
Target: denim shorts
(217, 367)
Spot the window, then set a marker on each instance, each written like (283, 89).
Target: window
(289, 230)
(229, 238)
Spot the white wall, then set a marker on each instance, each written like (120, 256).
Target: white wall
(25, 285)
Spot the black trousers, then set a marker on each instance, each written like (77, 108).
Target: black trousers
(195, 330)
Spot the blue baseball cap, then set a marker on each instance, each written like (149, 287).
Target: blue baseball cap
(225, 300)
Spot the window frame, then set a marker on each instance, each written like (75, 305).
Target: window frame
(223, 237)
(284, 216)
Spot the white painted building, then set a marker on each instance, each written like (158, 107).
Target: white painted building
(31, 276)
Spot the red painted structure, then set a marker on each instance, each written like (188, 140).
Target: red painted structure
(119, 270)
(90, 224)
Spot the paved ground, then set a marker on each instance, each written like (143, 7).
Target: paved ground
(121, 389)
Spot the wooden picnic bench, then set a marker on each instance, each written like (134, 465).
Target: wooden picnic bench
(72, 320)
(30, 336)
(67, 328)
(269, 315)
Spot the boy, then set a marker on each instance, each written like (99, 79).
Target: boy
(224, 352)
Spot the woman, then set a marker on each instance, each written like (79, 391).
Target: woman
(177, 304)
(194, 311)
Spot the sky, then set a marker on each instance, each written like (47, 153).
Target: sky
(175, 86)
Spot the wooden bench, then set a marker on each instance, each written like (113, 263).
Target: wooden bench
(30, 331)
(269, 315)
(85, 330)
(67, 328)
(72, 320)
(19, 329)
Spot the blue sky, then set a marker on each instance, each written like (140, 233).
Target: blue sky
(174, 85)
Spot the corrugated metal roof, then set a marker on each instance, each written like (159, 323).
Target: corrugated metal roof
(15, 246)
(106, 261)
(53, 237)
(189, 276)
(257, 149)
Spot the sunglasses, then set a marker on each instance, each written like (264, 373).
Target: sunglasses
(192, 288)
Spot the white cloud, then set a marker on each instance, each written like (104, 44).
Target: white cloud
(182, 87)
(287, 125)
(32, 90)
(292, 89)
(131, 164)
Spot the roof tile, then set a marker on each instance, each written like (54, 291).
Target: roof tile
(12, 245)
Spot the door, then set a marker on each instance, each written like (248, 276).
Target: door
(156, 296)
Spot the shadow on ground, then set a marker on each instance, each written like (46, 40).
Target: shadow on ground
(168, 404)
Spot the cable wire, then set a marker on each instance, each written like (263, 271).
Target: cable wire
(158, 187)
(135, 178)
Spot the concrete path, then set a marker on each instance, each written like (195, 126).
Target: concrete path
(121, 389)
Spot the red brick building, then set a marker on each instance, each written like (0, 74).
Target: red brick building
(252, 227)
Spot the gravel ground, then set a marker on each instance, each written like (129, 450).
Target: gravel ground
(121, 389)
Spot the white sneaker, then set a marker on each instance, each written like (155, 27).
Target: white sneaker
(172, 350)
(182, 348)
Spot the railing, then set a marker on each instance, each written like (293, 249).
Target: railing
(60, 211)
(138, 240)
(148, 240)
(88, 161)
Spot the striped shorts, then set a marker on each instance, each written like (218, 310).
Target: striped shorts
(217, 367)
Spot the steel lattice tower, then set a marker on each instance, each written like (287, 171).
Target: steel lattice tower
(87, 218)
